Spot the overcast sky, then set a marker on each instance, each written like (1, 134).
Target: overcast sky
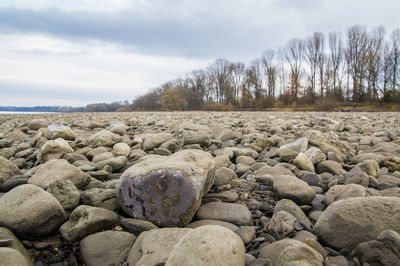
(75, 52)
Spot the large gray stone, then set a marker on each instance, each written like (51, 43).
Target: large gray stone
(86, 220)
(289, 151)
(208, 245)
(153, 247)
(104, 138)
(29, 210)
(290, 187)
(152, 141)
(53, 149)
(59, 168)
(7, 170)
(65, 192)
(346, 223)
(167, 191)
(55, 131)
(106, 248)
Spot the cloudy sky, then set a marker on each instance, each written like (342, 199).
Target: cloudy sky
(75, 52)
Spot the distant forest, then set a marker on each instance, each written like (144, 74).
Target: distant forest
(357, 66)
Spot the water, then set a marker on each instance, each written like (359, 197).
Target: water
(21, 112)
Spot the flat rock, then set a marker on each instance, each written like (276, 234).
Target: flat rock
(289, 151)
(346, 223)
(106, 248)
(86, 220)
(208, 245)
(290, 187)
(44, 211)
(59, 168)
(226, 212)
(98, 197)
(167, 191)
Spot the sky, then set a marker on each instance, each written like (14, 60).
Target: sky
(77, 52)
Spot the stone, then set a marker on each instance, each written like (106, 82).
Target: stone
(274, 171)
(6, 234)
(98, 197)
(289, 151)
(53, 149)
(283, 223)
(347, 223)
(55, 131)
(10, 256)
(153, 247)
(357, 176)
(392, 163)
(195, 137)
(121, 149)
(336, 261)
(167, 191)
(242, 168)
(44, 211)
(290, 187)
(118, 128)
(292, 208)
(339, 192)
(303, 235)
(246, 233)
(104, 138)
(291, 252)
(299, 254)
(136, 226)
(315, 155)
(245, 160)
(86, 220)
(208, 245)
(102, 156)
(224, 176)
(7, 170)
(152, 141)
(331, 167)
(116, 163)
(370, 167)
(303, 162)
(65, 192)
(59, 168)
(329, 142)
(106, 248)
(311, 179)
(226, 212)
(384, 250)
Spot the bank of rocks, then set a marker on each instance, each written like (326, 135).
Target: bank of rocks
(155, 188)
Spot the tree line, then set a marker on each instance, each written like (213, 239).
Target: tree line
(357, 66)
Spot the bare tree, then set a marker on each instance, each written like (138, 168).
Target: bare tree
(238, 79)
(395, 41)
(314, 56)
(294, 56)
(336, 57)
(270, 72)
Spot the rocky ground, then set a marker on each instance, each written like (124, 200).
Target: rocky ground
(200, 188)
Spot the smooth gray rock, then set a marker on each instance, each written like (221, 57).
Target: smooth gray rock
(290, 150)
(53, 149)
(104, 138)
(29, 210)
(86, 220)
(7, 170)
(347, 223)
(226, 212)
(65, 192)
(106, 248)
(208, 245)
